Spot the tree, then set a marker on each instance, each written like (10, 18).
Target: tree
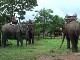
(44, 17)
(4, 19)
(9, 7)
(55, 24)
(38, 29)
(50, 23)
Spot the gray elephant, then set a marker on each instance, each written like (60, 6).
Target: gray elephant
(0, 33)
(30, 33)
(10, 31)
(0, 37)
(29, 30)
(24, 32)
(71, 32)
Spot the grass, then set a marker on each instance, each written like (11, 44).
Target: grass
(43, 47)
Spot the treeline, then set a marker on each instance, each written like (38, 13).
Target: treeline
(45, 20)
(47, 23)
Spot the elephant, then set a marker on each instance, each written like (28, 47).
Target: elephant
(11, 31)
(29, 30)
(0, 37)
(30, 33)
(72, 32)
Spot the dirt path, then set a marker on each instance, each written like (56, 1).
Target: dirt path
(74, 56)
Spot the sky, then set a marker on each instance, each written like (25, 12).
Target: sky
(59, 7)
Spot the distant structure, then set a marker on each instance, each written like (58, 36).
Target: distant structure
(69, 18)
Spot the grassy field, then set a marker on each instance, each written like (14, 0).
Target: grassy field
(43, 47)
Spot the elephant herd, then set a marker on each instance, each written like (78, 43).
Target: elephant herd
(9, 31)
(15, 31)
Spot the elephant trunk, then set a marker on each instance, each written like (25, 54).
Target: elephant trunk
(63, 39)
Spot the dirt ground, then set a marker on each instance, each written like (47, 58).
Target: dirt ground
(74, 56)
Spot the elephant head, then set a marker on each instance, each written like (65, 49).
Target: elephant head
(29, 30)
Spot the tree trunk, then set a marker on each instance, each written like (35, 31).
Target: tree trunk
(54, 34)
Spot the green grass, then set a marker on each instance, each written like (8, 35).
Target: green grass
(43, 47)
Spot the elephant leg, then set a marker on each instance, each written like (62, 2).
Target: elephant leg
(76, 45)
(0, 42)
(0, 38)
(32, 38)
(21, 39)
(73, 45)
(5, 43)
(29, 40)
(29, 37)
(18, 38)
(26, 40)
(74, 41)
(21, 42)
(68, 42)
(17, 42)
(77, 42)
(3, 40)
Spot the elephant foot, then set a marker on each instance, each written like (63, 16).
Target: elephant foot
(8, 44)
(29, 43)
(0, 44)
(68, 48)
(17, 45)
(21, 43)
(26, 44)
(74, 50)
(32, 42)
(3, 46)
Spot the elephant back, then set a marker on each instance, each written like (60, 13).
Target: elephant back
(10, 28)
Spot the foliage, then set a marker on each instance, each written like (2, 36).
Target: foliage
(56, 23)
(38, 29)
(4, 19)
(50, 23)
(9, 7)
(43, 17)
